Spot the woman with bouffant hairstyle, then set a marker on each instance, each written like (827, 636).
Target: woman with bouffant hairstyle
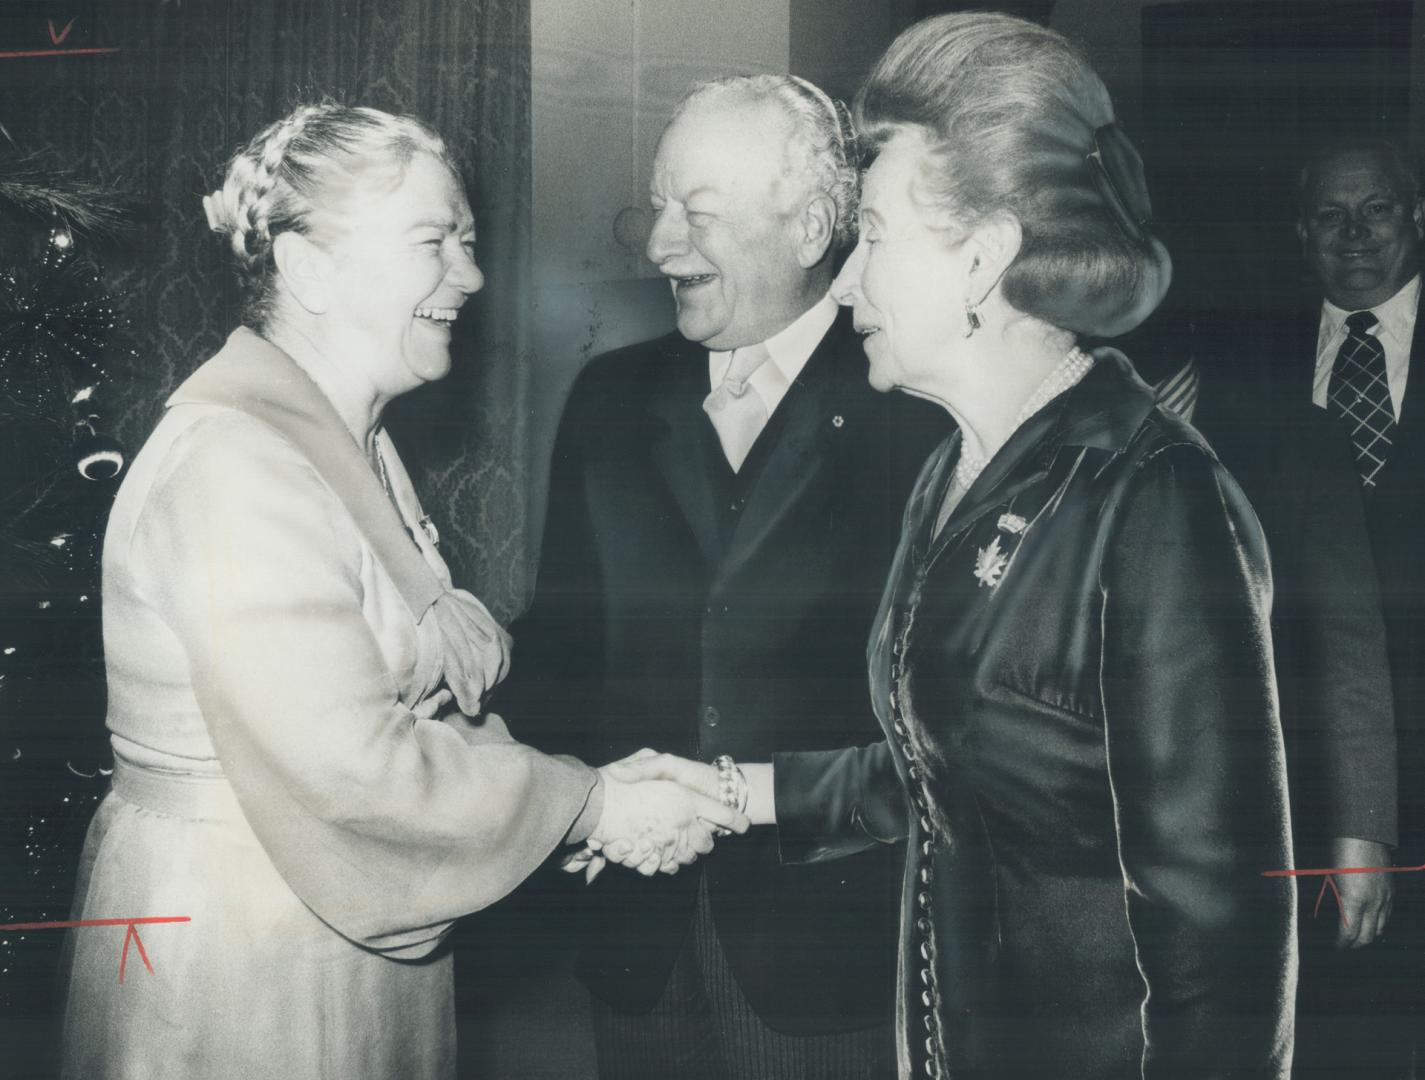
(283, 643)
(1072, 657)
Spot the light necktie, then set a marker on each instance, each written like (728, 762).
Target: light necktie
(735, 408)
(1359, 394)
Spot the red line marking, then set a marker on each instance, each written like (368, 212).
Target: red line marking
(123, 956)
(62, 34)
(131, 933)
(143, 921)
(1328, 876)
(15, 55)
(1328, 871)
(1331, 881)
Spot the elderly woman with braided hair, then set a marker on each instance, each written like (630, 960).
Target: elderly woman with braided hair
(283, 641)
(1072, 660)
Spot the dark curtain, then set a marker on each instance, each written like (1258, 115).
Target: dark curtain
(1238, 93)
(192, 80)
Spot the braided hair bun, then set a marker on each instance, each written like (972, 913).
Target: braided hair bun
(298, 168)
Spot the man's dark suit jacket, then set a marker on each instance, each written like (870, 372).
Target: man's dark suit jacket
(1395, 522)
(1294, 464)
(687, 608)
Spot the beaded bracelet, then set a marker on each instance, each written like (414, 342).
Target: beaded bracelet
(732, 783)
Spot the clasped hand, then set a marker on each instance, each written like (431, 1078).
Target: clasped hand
(655, 819)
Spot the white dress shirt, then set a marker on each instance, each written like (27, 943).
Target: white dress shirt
(1394, 329)
(788, 351)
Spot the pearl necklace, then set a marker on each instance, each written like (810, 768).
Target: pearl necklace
(1073, 367)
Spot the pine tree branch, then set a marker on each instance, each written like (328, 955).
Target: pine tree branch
(30, 191)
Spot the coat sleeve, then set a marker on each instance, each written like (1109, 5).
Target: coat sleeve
(1342, 633)
(387, 826)
(1197, 770)
(834, 803)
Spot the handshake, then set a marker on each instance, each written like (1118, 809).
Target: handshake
(661, 812)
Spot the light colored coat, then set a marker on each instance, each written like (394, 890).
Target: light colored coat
(265, 643)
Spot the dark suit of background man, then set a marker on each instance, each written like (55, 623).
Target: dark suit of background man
(1357, 356)
(713, 559)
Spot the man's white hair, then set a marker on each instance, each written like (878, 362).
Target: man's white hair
(821, 144)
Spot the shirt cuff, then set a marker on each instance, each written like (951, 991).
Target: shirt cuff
(588, 818)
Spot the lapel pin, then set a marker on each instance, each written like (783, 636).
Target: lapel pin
(1012, 524)
(838, 420)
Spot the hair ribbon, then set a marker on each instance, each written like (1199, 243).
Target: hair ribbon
(1117, 172)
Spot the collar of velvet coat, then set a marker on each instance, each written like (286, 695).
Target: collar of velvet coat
(257, 378)
(1101, 412)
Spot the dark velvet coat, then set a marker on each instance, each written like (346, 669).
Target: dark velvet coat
(1075, 682)
(1294, 462)
(697, 611)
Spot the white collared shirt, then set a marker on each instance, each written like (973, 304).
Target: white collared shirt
(788, 350)
(1394, 330)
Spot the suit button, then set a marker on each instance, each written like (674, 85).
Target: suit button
(926, 825)
(926, 999)
(923, 899)
(711, 716)
(925, 976)
(923, 925)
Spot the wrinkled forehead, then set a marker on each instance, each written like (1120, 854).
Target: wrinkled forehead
(728, 143)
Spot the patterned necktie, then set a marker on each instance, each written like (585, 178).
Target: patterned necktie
(1178, 392)
(735, 408)
(1359, 394)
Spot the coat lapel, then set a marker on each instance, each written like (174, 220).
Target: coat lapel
(684, 447)
(1102, 411)
(810, 423)
(1412, 406)
(255, 377)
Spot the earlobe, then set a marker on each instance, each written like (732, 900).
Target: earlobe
(996, 245)
(304, 269)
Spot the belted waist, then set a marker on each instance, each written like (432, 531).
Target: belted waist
(179, 794)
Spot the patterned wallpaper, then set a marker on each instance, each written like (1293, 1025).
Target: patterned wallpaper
(191, 81)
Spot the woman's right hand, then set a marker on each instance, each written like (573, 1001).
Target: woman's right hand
(651, 765)
(653, 825)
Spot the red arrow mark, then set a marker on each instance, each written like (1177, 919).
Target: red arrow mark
(1329, 873)
(62, 34)
(131, 933)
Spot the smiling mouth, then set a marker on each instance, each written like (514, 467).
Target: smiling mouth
(688, 281)
(867, 331)
(444, 316)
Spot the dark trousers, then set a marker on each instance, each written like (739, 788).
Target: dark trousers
(703, 1029)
